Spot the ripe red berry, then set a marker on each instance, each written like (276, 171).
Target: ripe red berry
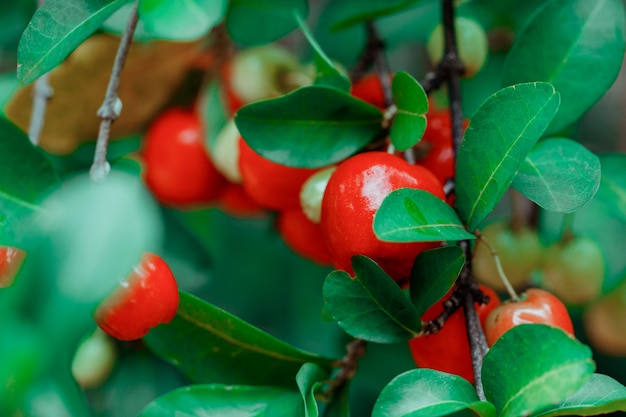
(354, 193)
(270, 184)
(370, 89)
(145, 299)
(303, 236)
(449, 350)
(534, 306)
(11, 259)
(178, 169)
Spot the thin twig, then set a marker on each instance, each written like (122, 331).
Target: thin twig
(347, 368)
(477, 336)
(496, 259)
(112, 105)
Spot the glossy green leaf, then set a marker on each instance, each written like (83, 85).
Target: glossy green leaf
(26, 175)
(311, 127)
(308, 379)
(577, 45)
(426, 392)
(215, 400)
(612, 191)
(85, 226)
(533, 366)
(412, 103)
(182, 19)
(411, 215)
(226, 349)
(369, 10)
(370, 306)
(500, 134)
(256, 22)
(559, 175)
(433, 274)
(601, 394)
(55, 30)
(325, 71)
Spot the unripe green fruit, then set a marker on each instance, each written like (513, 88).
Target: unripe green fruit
(519, 253)
(225, 152)
(574, 270)
(312, 193)
(605, 323)
(472, 45)
(94, 360)
(263, 72)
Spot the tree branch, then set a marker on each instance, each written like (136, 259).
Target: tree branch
(112, 105)
(42, 92)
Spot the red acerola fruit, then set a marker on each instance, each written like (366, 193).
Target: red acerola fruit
(145, 299)
(449, 350)
(178, 169)
(11, 259)
(354, 193)
(303, 236)
(270, 184)
(533, 306)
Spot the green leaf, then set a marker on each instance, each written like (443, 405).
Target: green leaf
(500, 134)
(209, 344)
(310, 128)
(89, 235)
(433, 274)
(25, 176)
(577, 45)
(426, 392)
(180, 20)
(601, 394)
(308, 379)
(256, 22)
(325, 72)
(411, 215)
(612, 191)
(339, 405)
(412, 103)
(55, 30)
(370, 306)
(533, 366)
(368, 10)
(559, 175)
(215, 400)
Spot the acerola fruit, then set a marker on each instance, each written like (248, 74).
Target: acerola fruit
(520, 253)
(573, 270)
(472, 45)
(11, 260)
(354, 193)
(145, 299)
(449, 350)
(312, 193)
(234, 201)
(94, 360)
(605, 323)
(369, 88)
(178, 169)
(534, 306)
(303, 236)
(270, 184)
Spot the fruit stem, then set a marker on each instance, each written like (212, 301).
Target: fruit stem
(347, 369)
(496, 258)
(112, 105)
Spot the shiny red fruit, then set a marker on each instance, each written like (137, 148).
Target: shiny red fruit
(272, 185)
(303, 236)
(178, 169)
(11, 259)
(354, 193)
(449, 350)
(370, 89)
(145, 299)
(236, 202)
(534, 306)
